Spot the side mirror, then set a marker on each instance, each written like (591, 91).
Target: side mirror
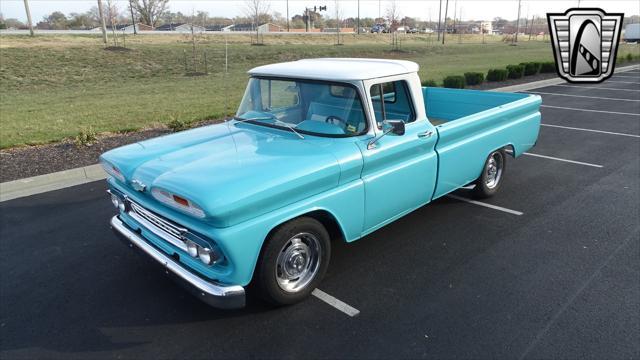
(395, 127)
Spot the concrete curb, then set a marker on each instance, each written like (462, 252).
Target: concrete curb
(43, 183)
(549, 82)
(59, 180)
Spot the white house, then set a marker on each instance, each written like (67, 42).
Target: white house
(486, 27)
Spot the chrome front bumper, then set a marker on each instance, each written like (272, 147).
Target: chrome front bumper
(214, 294)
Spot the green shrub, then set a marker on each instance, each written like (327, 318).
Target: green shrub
(453, 82)
(548, 67)
(474, 78)
(86, 137)
(497, 75)
(515, 71)
(531, 68)
(430, 83)
(629, 57)
(177, 125)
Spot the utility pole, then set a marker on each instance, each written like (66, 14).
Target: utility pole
(455, 13)
(287, 15)
(26, 8)
(133, 19)
(439, 19)
(104, 25)
(379, 7)
(533, 18)
(518, 22)
(358, 17)
(446, 10)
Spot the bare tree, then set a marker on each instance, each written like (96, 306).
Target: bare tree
(338, 13)
(150, 10)
(393, 14)
(255, 10)
(112, 16)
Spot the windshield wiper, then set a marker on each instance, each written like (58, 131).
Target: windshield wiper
(277, 122)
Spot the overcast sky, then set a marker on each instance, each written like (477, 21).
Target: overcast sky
(468, 9)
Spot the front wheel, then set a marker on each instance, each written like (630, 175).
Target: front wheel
(293, 261)
(491, 178)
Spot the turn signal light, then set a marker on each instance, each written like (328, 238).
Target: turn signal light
(177, 202)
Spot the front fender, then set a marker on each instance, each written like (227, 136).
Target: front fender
(243, 242)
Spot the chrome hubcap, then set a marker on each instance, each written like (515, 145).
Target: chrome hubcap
(494, 170)
(298, 262)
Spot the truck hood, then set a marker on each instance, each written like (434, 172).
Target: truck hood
(233, 172)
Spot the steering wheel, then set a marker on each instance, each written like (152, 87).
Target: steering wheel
(331, 119)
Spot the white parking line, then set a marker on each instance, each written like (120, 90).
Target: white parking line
(564, 160)
(595, 87)
(590, 130)
(588, 110)
(344, 307)
(623, 82)
(494, 207)
(582, 96)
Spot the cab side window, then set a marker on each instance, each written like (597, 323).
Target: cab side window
(391, 101)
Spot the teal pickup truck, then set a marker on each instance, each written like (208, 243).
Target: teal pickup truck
(320, 150)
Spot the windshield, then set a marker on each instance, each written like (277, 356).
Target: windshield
(304, 106)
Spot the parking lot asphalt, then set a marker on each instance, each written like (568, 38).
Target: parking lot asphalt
(558, 277)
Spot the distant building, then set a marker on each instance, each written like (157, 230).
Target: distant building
(243, 27)
(169, 27)
(126, 28)
(269, 27)
(187, 28)
(486, 27)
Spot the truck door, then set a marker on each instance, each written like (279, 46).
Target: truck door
(399, 171)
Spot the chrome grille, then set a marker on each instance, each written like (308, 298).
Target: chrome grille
(158, 225)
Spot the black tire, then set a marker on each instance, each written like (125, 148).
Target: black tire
(269, 276)
(485, 187)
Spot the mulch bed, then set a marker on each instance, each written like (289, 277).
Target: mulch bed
(22, 162)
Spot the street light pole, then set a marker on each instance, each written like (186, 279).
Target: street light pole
(287, 15)
(26, 8)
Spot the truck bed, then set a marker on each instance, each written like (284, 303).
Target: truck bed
(446, 105)
(471, 124)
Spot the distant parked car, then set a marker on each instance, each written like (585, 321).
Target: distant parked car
(412, 31)
(378, 28)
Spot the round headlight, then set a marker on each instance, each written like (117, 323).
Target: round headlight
(115, 201)
(192, 248)
(205, 255)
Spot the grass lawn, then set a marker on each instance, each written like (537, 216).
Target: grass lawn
(52, 87)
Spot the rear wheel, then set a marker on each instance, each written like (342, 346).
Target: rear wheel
(491, 178)
(293, 261)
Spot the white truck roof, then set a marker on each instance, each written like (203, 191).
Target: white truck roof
(338, 69)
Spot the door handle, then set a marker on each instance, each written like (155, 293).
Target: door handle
(426, 134)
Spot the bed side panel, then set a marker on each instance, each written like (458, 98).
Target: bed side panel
(464, 144)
